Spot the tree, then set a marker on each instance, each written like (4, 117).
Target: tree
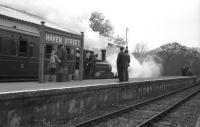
(98, 23)
(140, 48)
(175, 56)
(140, 51)
(120, 41)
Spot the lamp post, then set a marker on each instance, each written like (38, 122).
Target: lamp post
(126, 37)
(41, 52)
(81, 57)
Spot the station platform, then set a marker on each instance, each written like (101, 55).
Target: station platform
(65, 103)
(10, 87)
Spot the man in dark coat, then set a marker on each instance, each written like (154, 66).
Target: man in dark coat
(93, 65)
(184, 71)
(87, 63)
(127, 62)
(62, 55)
(121, 64)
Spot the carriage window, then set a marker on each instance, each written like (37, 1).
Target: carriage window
(31, 50)
(68, 53)
(8, 46)
(48, 51)
(23, 48)
(0, 45)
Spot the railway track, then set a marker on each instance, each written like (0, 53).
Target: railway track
(186, 115)
(143, 114)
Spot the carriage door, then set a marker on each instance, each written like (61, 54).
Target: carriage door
(23, 59)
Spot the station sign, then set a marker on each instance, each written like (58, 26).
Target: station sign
(58, 39)
(53, 36)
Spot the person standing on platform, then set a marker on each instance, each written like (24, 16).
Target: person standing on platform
(62, 54)
(121, 64)
(88, 63)
(127, 64)
(190, 71)
(184, 71)
(52, 64)
(93, 65)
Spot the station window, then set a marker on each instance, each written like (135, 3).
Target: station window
(23, 48)
(7, 46)
(48, 50)
(70, 53)
(31, 50)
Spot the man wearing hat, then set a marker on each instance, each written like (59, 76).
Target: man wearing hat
(121, 64)
(127, 62)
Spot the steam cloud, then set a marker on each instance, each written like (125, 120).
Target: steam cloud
(147, 68)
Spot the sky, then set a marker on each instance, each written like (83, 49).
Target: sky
(154, 22)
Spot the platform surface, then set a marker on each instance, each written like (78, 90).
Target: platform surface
(29, 86)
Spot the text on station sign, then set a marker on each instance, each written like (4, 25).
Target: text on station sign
(61, 40)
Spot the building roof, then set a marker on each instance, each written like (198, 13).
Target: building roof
(31, 18)
(112, 43)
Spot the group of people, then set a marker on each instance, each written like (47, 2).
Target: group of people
(123, 62)
(90, 63)
(58, 61)
(186, 71)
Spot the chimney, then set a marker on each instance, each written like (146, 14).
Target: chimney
(103, 54)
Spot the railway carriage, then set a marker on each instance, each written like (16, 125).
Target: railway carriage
(18, 56)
